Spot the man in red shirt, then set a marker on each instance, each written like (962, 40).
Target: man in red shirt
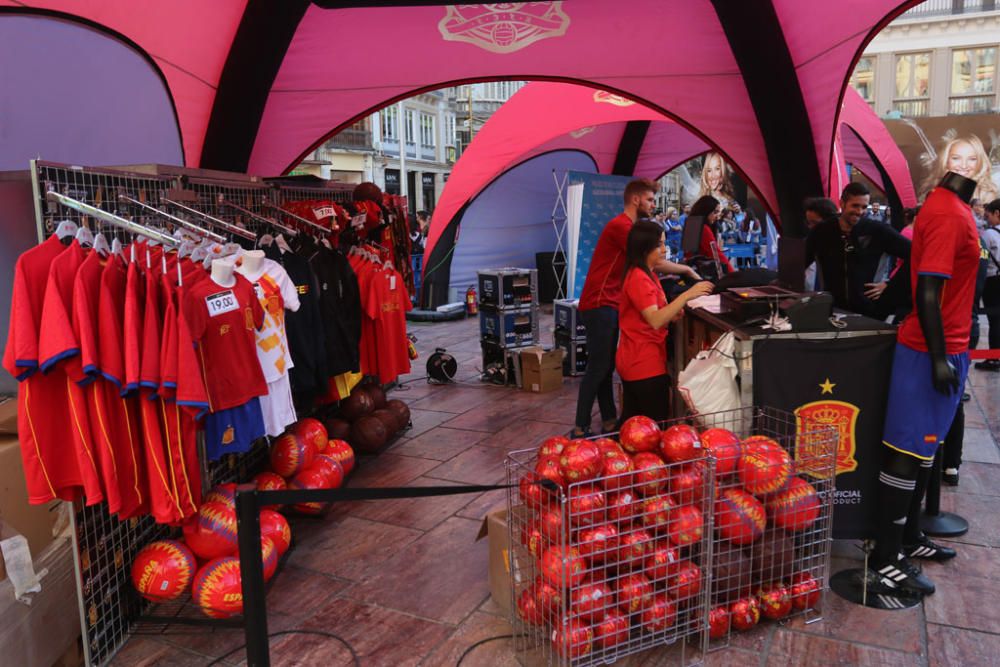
(930, 367)
(600, 300)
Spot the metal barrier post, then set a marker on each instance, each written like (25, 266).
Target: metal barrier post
(252, 574)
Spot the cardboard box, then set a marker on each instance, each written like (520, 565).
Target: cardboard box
(35, 522)
(541, 370)
(8, 415)
(495, 527)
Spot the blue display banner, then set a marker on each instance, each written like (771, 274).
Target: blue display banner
(602, 201)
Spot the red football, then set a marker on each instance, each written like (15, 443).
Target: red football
(269, 557)
(656, 512)
(343, 452)
(739, 516)
(805, 592)
(612, 630)
(764, 466)
(532, 493)
(718, 622)
(310, 478)
(795, 507)
(662, 563)
(686, 525)
(563, 566)
(650, 473)
(687, 482)
(532, 537)
(528, 609)
(580, 460)
(614, 473)
(553, 446)
(634, 593)
(623, 507)
(572, 638)
(660, 615)
(551, 523)
(685, 582)
(724, 446)
(609, 448)
(745, 613)
(775, 602)
(598, 543)
(269, 481)
(162, 570)
(549, 468)
(222, 493)
(290, 455)
(311, 430)
(275, 526)
(586, 505)
(589, 601)
(633, 547)
(330, 467)
(547, 597)
(639, 434)
(680, 443)
(211, 533)
(218, 588)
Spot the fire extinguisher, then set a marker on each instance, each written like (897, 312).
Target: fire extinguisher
(471, 307)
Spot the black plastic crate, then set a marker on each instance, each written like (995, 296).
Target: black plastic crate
(508, 288)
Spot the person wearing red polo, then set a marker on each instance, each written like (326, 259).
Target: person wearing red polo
(599, 305)
(643, 317)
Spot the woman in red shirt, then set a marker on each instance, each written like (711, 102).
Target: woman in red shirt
(709, 210)
(643, 316)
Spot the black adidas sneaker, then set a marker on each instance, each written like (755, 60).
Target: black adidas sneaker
(901, 576)
(924, 548)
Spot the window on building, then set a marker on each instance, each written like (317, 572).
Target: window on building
(427, 130)
(390, 120)
(408, 125)
(973, 80)
(449, 129)
(863, 79)
(912, 83)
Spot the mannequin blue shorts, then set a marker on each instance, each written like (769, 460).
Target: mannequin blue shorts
(918, 416)
(233, 431)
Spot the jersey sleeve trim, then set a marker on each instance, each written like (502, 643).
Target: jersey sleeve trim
(30, 368)
(112, 379)
(201, 409)
(50, 363)
(935, 274)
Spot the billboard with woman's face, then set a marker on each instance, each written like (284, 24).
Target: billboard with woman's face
(966, 145)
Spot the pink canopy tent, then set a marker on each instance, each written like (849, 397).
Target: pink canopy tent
(257, 84)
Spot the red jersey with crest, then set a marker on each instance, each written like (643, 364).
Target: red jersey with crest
(223, 322)
(945, 244)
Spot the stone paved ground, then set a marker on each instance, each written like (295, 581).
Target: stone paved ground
(405, 581)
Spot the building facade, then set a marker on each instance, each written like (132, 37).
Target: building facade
(433, 127)
(937, 59)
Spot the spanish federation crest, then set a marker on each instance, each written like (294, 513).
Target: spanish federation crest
(504, 27)
(812, 437)
(611, 98)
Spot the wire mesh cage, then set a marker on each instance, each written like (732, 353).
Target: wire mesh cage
(773, 517)
(613, 565)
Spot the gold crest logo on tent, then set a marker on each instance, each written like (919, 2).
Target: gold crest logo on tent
(503, 27)
(810, 420)
(610, 98)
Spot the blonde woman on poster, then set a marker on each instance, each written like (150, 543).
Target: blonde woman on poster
(962, 155)
(716, 179)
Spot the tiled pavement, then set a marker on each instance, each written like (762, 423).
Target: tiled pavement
(405, 581)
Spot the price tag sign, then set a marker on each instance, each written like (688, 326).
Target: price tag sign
(358, 221)
(221, 303)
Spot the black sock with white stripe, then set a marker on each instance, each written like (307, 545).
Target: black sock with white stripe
(911, 532)
(897, 482)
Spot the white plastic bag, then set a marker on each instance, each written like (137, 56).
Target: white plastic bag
(708, 384)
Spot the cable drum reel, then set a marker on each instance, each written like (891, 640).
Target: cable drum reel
(441, 367)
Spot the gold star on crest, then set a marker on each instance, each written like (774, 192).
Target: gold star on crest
(827, 386)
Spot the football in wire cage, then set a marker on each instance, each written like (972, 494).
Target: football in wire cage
(667, 535)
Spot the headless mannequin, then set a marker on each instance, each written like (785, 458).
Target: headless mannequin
(252, 261)
(899, 508)
(222, 272)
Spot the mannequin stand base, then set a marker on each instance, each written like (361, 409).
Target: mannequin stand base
(943, 524)
(853, 585)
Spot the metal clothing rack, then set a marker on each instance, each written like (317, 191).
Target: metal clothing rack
(204, 233)
(297, 218)
(256, 216)
(110, 218)
(215, 222)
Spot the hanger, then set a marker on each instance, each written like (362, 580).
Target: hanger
(85, 237)
(66, 230)
(116, 248)
(282, 244)
(101, 245)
